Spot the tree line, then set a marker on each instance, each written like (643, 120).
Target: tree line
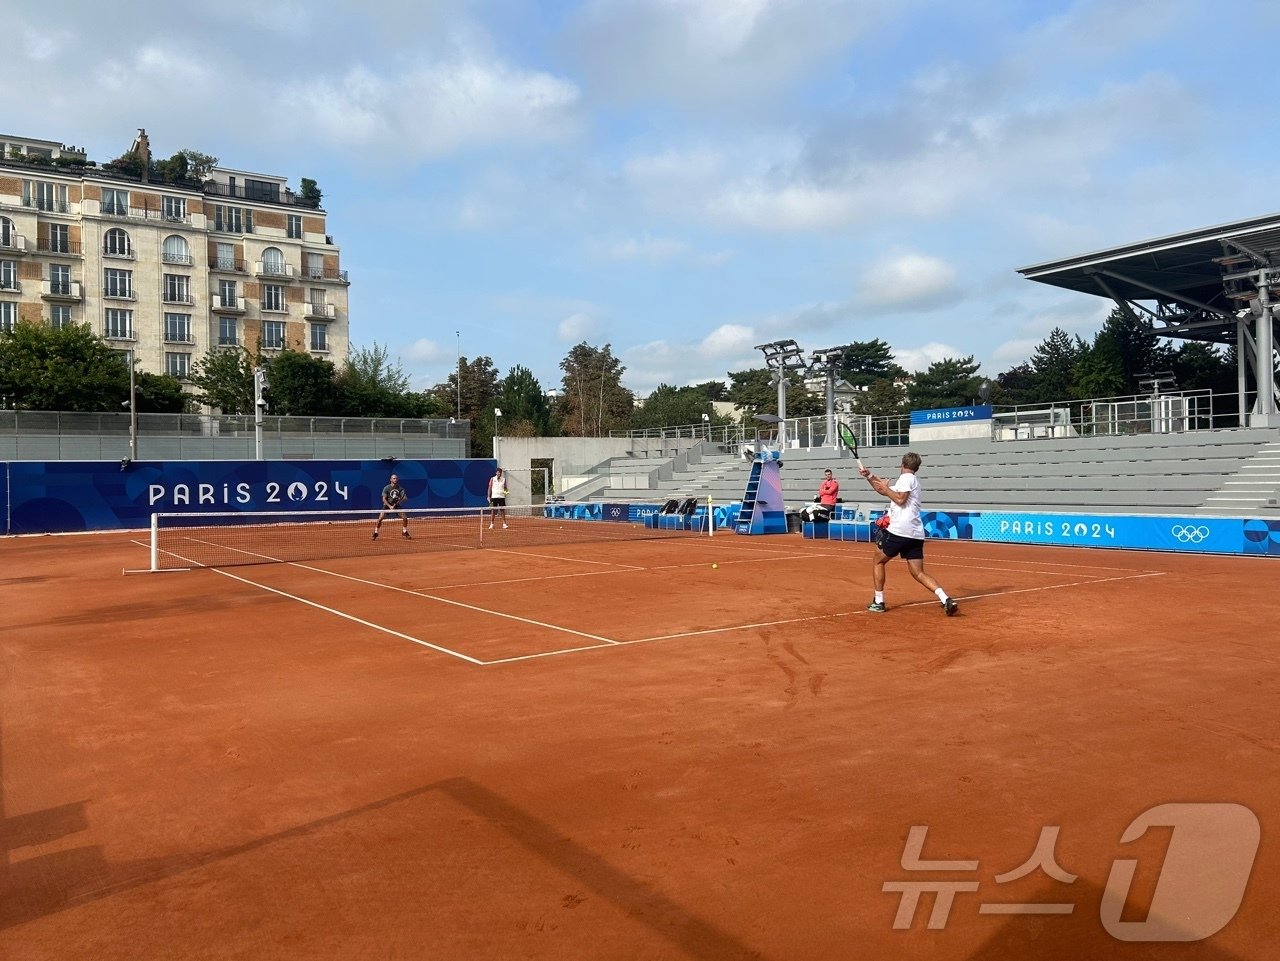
(74, 369)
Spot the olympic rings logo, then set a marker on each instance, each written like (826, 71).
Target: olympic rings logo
(1189, 534)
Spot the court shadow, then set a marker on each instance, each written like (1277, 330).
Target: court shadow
(47, 884)
(1082, 935)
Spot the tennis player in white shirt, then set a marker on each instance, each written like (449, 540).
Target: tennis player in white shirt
(904, 537)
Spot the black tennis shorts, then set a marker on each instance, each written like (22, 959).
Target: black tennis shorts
(908, 548)
(497, 502)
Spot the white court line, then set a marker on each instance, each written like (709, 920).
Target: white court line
(821, 617)
(557, 557)
(445, 600)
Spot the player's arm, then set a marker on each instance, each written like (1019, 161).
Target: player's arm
(884, 490)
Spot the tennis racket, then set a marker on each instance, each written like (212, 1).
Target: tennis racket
(850, 440)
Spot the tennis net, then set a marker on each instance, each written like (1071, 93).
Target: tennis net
(228, 539)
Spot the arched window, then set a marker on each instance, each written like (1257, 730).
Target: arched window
(273, 261)
(7, 234)
(116, 243)
(176, 250)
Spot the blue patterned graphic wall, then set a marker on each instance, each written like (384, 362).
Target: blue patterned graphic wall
(52, 496)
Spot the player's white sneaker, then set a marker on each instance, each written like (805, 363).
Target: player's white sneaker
(490, 527)
(504, 527)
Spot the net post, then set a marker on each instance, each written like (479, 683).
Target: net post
(155, 542)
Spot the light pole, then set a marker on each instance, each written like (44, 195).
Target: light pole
(133, 410)
(826, 362)
(458, 333)
(497, 417)
(782, 357)
(260, 384)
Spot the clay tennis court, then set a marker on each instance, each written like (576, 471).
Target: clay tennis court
(617, 751)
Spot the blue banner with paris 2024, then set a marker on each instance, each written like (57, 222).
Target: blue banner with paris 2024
(1210, 535)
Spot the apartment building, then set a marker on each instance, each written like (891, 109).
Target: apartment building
(167, 270)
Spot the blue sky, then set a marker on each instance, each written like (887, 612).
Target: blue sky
(684, 179)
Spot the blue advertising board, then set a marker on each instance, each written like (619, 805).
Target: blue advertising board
(51, 496)
(950, 415)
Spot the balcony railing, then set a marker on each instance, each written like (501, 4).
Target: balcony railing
(14, 243)
(118, 293)
(48, 206)
(61, 290)
(322, 311)
(284, 271)
(178, 297)
(118, 254)
(183, 259)
(9, 286)
(228, 305)
(259, 195)
(230, 266)
(48, 245)
(326, 273)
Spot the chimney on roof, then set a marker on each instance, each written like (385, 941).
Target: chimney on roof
(142, 146)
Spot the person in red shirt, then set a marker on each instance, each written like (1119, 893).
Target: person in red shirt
(828, 496)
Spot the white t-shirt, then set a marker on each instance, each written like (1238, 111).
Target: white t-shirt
(497, 487)
(905, 520)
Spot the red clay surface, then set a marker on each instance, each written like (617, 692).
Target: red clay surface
(618, 752)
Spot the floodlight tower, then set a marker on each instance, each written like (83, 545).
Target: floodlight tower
(782, 357)
(826, 363)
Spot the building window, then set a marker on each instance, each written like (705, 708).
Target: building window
(60, 239)
(225, 258)
(319, 336)
(232, 220)
(177, 328)
(60, 279)
(293, 226)
(115, 202)
(175, 208)
(261, 190)
(117, 283)
(44, 196)
(116, 243)
(227, 294)
(273, 334)
(118, 323)
(228, 332)
(8, 316)
(273, 262)
(175, 250)
(315, 266)
(8, 235)
(8, 275)
(273, 297)
(177, 365)
(177, 289)
(59, 316)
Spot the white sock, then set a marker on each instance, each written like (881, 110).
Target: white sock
(879, 597)
(942, 595)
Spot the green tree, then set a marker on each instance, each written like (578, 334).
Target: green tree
(1136, 345)
(310, 192)
(754, 392)
(671, 406)
(371, 385)
(714, 390)
(471, 390)
(882, 398)
(867, 361)
(1021, 385)
(1053, 365)
(160, 394)
(1099, 370)
(70, 368)
(1200, 366)
(525, 409)
(950, 382)
(302, 385)
(199, 165)
(223, 379)
(593, 401)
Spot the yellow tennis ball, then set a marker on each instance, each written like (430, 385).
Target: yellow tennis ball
(714, 566)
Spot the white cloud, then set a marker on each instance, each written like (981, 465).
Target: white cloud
(658, 251)
(426, 352)
(914, 359)
(434, 108)
(908, 281)
(727, 340)
(575, 327)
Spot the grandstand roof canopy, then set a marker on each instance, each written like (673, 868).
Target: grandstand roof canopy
(1196, 277)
